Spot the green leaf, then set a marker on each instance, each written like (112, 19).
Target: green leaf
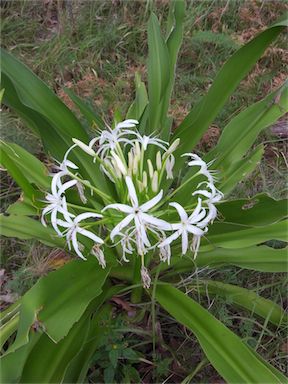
(39, 97)
(245, 298)
(17, 175)
(58, 300)
(259, 210)
(25, 228)
(234, 361)
(91, 116)
(173, 43)
(158, 71)
(242, 131)
(99, 327)
(29, 96)
(47, 361)
(22, 207)
(246, 237)
(233, 71)
(12, 364)
(240, 170)
(141, 100)
(258, 258)
(33, 169)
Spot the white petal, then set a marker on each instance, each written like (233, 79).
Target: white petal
(76, 246)
(131, 191)
(91, 235)
(195, 230)
(69, 164)
(55, 182)
(151, 203)
(54, 221)
(195, 213)
(64, 223)
(169, 239)
(123, 223)
(66, 185)
(141, 231)
(184, 242)
(86, 215)
(161, 224)
(181, 211)
(202, 192)
(119, 207)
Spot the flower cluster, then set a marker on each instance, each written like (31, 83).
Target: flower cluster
(137, 221)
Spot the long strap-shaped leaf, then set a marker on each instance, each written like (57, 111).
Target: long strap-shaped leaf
(234, 361)
(258, 258)
(245, 298)
(39, 97)
(45, 113)
(25, 228)
(158, 71)
(259, 210)
(58, 300)
(235, 69)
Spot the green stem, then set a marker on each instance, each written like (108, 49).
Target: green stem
(153, 312)
(136, 294)
(94, 189)
(88, 209)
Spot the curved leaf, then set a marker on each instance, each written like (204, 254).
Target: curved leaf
(47, 361)
(24, 228)
(233, 71)
(245, 298)
(257, 211)
(34, 93)
(234, 361)
(58, 300)
(246, 237)
(33, 169)
(258, 258)
(91, 116)
(158, 71)
(240, 170)
(242, 131)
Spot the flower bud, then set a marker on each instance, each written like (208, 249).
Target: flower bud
(150, 168)
(84, 147)
(155, 182)
(158, 161)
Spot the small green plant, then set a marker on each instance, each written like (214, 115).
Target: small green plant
(128, 197)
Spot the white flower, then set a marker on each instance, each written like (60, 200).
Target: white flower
(56, 203)
(185, 226)
(197, 161)
(147, 140)
(109, 139)
(137, 213)
(126, 243)
(66, 164)
(73, 229)
(213, 196)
